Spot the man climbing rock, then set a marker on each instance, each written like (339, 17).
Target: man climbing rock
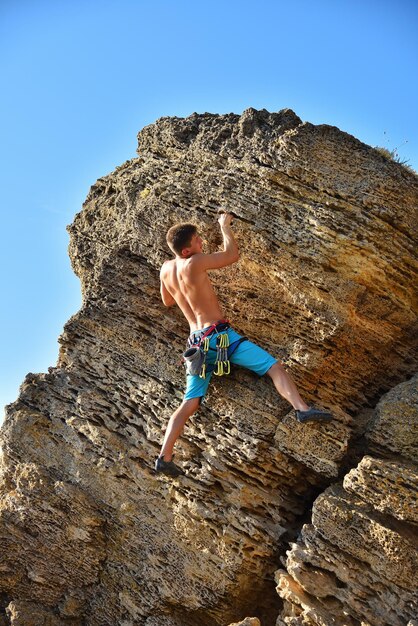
(212, 344)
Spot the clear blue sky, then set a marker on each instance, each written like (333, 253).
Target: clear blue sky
(81, 78)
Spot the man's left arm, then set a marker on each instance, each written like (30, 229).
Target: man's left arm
(166, 296)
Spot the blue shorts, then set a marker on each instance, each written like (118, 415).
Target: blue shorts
(247, 354)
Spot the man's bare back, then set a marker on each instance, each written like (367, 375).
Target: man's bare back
(192, 290)
(184, 280)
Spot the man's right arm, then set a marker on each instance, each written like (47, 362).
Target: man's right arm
(230, 253)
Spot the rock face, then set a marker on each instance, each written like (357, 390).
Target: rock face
(325, 282)
(357, 562)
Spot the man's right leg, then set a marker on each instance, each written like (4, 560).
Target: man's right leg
(286, 387)
(288, 390)
(255, 358)
(258, 360)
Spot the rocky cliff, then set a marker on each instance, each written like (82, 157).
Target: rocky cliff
(357, 561)
(89, 535)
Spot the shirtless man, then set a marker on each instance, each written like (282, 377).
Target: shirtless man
(184, 281)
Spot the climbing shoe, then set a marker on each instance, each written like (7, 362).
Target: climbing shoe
(167, 467)
(313, 415)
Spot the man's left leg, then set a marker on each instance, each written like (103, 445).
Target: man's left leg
(176, 424)
(196, 388)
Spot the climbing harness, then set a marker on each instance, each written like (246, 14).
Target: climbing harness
(195, 355)
(222, 363)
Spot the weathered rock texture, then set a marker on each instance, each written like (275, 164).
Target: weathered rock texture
(357, 562)
(248, 621)
(325, 281)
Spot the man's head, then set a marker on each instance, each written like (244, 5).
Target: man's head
(184, 240)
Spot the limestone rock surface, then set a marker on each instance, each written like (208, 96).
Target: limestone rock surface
(248, 621)
(357, 562)
(327, 232)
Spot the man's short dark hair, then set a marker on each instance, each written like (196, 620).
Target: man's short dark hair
(179, 236)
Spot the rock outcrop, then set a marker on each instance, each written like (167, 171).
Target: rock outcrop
(357, 562)
(326, 228)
